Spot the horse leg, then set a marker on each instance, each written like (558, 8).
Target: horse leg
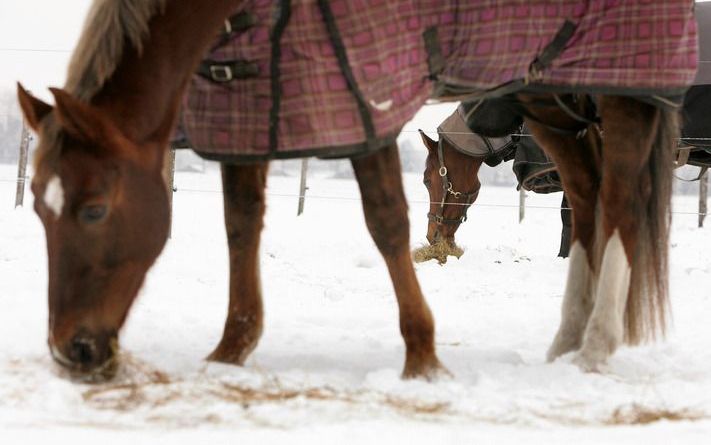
(577, 165)
(630, 131)
(565, 234)
(385, 208)
(244, 200)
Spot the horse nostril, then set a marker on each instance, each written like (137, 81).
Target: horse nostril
(82, 351)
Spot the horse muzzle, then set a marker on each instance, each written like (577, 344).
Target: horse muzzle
(88, 358)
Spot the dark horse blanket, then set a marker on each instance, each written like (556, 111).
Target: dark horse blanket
(292, 78)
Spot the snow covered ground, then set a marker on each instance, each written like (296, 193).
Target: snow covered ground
(327, 367)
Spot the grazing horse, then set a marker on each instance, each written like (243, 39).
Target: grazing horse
(99, 192)
(451, 178)
(101, 197)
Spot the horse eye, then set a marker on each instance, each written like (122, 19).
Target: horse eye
(93, 213)
(427, 183)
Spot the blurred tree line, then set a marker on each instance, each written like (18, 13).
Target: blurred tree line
(10, 127)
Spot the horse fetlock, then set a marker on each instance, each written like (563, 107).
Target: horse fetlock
(564, 342)
(424, 366)
(599, 342)
(240, 338)
(234, 354)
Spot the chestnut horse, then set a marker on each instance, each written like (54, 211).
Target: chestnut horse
(100, 195)
(451, 177)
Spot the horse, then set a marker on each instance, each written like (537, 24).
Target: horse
(101, 198)
(451, 179)
(453, 186)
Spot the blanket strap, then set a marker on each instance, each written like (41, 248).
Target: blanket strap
(283, 14)
(340, 50)
(239, 22)
(234, 25)
(551, 51)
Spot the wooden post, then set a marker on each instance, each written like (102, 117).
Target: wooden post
(703, 197)
(521, 204)
(302, 186)
(169, 177)
(22, 165)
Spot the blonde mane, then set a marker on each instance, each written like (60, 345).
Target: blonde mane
(109, 26)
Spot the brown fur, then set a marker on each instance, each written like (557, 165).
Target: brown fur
(245, 203)
(465, 178)
(110, 25)
(380, 180)
(105, 140)
(107, 147)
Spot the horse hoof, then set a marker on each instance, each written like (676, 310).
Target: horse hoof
(429, 372)
(588, 362)
(223, 355)
(559, 348)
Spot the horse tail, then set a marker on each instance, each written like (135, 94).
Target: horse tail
(648, 299)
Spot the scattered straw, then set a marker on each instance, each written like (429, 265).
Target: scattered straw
(140, 385)
(641, 415)
(437, 251)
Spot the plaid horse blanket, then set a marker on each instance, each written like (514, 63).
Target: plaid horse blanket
(293, 78)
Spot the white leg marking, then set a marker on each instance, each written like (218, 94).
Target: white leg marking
(576, 304)
(54, 195)
(605, 329)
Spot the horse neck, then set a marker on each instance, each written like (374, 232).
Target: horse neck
(143, 95)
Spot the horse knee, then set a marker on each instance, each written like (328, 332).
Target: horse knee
(389, 228)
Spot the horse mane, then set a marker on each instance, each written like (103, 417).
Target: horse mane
(109, 27)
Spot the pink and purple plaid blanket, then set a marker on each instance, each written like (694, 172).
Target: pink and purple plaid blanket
(299, 101)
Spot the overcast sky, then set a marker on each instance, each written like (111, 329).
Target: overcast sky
(52, 25)
(50, 28)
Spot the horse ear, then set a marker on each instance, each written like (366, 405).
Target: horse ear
(430, 143)
(33, 109)
(79, 119)
(89, 124)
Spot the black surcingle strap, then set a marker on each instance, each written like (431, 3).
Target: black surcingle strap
(552, 50)
(340, 51)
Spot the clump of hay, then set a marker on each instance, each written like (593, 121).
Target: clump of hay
(439, 251)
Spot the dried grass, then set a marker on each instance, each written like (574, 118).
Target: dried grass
(641, 415)
(140, 385)
(438, 251)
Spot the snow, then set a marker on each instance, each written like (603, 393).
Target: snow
(327, 367)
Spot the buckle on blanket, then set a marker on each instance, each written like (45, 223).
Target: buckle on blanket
(221, 73)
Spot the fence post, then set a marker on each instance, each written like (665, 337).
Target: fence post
(521, 204)
(169, 177)
(703, 197)
(22, 165)
(302, 186)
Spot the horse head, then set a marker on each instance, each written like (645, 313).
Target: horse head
(452, 182)
(104, 207)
